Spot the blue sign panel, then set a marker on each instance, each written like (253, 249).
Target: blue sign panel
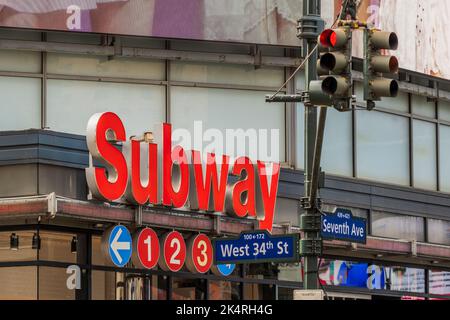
(256, 247)
(226, 269)
(342, 225)
(119, 245)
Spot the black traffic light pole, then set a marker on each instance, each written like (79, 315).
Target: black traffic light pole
(310, 27)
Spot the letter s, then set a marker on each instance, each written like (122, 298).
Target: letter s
(103, 130)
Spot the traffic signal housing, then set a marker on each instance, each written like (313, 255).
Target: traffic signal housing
(334, 66)
(377, 66)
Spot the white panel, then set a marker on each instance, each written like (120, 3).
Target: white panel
(227, 74)
(229, 109)
(20, 104)
(444, 110)
(444, 158)
(72, 103)
(439, 231)
(99, 66)
(422, 107)
(20, 61)
(397, 226)
(382, 147)
(337, 155)
(424, 156)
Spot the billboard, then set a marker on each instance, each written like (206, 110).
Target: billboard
(421, 25)
(249, 21)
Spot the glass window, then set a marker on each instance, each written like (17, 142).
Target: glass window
(256, 291)
(444, 110)
(139, 106)
(444, 158)
(290, 272)
(103, 285)
(369, 276)
(438, 231)
(98, 258)
(103, 66)
(440, 282)
(287, 211)
(20, 61)
(399, 103)
(421, 107)
(17, 246)
(382, 147)
(188, 289)
(21, 103)
(18, 283)
(225, 112)
(226, 74)
(405, 279)
(224, 290)
(56, 246)
(53, 284)
(424, 155)
(337, 156)
(397, 226)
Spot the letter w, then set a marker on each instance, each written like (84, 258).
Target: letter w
(201, 197)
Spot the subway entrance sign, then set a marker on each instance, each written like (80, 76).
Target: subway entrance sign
(256, 247)
(342, 225)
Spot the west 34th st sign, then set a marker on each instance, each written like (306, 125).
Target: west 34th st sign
(173, 177)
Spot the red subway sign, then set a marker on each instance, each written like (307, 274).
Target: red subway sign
(175, 177)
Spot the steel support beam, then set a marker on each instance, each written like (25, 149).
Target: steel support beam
(145, 53)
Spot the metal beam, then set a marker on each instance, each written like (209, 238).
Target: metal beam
(144, 53)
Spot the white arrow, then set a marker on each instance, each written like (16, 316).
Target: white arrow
(116, 246)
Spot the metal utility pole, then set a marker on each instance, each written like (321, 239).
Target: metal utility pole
(310, 27)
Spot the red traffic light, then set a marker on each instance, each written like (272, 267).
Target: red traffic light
(328, 38)
(333, 38)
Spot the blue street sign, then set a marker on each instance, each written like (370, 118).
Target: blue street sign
(342, 225)
(226, 269)
(256, 247)
(120, 245)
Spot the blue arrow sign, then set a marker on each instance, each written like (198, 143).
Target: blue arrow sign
(119, 245)
(226, 269)
(256, 247)
(342, 225)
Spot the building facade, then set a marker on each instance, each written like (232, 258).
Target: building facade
(390, 166)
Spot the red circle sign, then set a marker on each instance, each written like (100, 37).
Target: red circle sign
(174, 252)
(200, 254)
(147, 248)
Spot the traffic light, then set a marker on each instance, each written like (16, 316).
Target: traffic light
(334, 69)
(377, 65)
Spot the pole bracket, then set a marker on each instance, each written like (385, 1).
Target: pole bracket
(305, 203)
(310, 222)
(310, 247)
(310, 27)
